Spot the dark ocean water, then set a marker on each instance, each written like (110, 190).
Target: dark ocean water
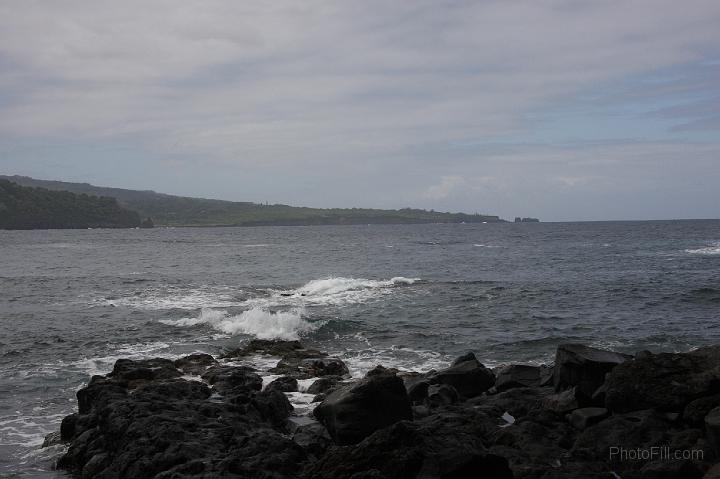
(414, 297)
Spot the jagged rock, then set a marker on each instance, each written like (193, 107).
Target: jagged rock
(233, 380)
(666, 381)
(323, 384)
(712, 429)
(284, 384)
(441, 395)
(561, 402)
(322, 367)
(587, 416)
(271, 347)
(131, 371)
(314, 438)
(351, 413)
(52, 439)
(447, 445)
(468, 377)
(519, 376)
(273, 406)
(195, 363)
(695, 412)
(469, 356)
(583, 367)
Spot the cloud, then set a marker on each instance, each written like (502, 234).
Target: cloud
(447, 185)
(333, 89)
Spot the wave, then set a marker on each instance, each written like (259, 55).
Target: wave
(340, 290)
(257, 322)
(713, 249)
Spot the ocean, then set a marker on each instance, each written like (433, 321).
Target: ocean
(408, 296)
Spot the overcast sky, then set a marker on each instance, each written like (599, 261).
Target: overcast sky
(564, 110)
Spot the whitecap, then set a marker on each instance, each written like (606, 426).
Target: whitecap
(713, 249)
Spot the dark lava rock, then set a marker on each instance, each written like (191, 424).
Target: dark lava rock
(584, 367)
(670, 469)
(468, 377)
(561, 402)
(469, 356)
(322, 367)
(447, 445)
(284, 384)
(142, 422)
(233, 380)
(271, 347)
(314, 438)
(666, 381)
(587, 416)
(351, 413)
(195, 363)
(289, 364)
(441, 395)
(519, 376)
(323, 385)
(130, 371)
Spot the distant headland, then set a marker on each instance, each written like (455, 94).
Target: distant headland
(28, 203)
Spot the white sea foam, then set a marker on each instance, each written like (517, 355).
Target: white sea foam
(178, 299)
(713, 249)
(340, 290)
(258, 322)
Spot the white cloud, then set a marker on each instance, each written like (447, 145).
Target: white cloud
(447, 185)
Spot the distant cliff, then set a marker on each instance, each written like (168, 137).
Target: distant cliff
(39, 208)
(169, 210)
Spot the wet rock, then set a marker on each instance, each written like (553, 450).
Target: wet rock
(468, 377)
(587, 416)
(233, 380)
(284, 384)
(583, 367)
(271, 347)
(52, 439)
(469, 356)
(195, 363)
(314, 367)
(351, 413)
(289, 364)
(666, 381)
(323, 384)
(131, 371)
(519, 376)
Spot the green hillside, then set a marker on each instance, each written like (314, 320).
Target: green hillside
(169, 210)
(39, 208)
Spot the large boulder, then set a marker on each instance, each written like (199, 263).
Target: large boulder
(467, 375)
(196, 363)
(353, 412)
(520, 376)
(447, 445)
(665, 381)
(584, 368)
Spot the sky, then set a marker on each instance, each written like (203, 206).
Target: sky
(556, 109)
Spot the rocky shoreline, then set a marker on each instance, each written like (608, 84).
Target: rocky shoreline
(593, 414)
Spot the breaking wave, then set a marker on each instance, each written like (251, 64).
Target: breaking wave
(257, 322)
(713, 249)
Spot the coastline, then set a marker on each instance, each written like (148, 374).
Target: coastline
(277, 409)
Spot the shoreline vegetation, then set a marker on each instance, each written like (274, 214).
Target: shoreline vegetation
(592, 414)
(179, 211)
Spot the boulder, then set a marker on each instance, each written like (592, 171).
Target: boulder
(583, 367)
(447, 445)
(665, 381)
(273, 406)
(284, 384)
(587, 416)
(417, 388)
(519, 376)
(314, 367)
(323, 384)
(561, 402)
(314, 438)
(195, 363)
(233, 380)
(468, 377)
(352, 412)
(441, 395)
(696, 410)
(132, 372)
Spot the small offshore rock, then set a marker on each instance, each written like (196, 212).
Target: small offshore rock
(323, 367)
